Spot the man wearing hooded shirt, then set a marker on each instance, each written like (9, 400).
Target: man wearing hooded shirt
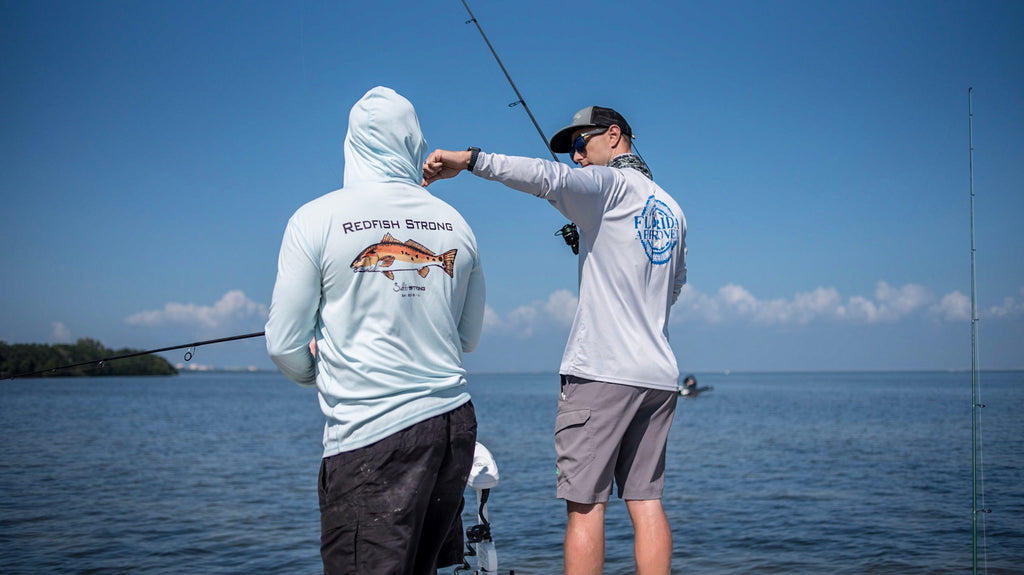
(379, 291)
(618, 371)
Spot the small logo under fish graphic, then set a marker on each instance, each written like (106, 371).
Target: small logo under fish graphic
(391, 256)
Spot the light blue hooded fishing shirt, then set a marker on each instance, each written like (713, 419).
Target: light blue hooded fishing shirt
(387, 279)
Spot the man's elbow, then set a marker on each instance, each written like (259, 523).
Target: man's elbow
(296, 364)
(278, 352)
(297, 368)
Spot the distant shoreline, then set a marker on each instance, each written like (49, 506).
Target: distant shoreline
(84, 358)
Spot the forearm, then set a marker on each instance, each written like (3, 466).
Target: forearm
(579, 194)
(530, 175)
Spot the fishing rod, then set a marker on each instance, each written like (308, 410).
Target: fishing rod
(975, 405)
(521, 101)
(569, 232)
(99, 362)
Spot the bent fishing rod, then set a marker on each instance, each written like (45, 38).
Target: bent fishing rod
(520, 100)
(97, 363)
(569, 232)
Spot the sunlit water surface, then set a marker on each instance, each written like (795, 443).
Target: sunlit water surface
(804, 473)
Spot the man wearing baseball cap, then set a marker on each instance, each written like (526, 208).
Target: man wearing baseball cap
(618, 372)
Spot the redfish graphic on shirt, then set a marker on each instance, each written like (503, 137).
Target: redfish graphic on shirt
(390, 255)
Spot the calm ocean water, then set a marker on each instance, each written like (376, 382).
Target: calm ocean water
(805, 473)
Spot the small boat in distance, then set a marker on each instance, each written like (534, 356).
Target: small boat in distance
(690, 389)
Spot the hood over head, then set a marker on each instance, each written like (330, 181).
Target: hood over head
(384, 141)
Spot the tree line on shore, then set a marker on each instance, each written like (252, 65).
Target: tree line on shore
(50, 360)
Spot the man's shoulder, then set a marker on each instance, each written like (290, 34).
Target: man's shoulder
(318, 203)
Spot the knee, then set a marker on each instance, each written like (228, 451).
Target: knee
(589, 510)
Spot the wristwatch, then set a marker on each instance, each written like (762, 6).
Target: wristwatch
(474, 153)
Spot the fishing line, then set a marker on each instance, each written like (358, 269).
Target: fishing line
(97, 363)
(635, 150)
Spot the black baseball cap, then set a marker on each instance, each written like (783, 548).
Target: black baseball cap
(589, 117)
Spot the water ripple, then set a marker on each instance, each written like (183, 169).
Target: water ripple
(769, 473)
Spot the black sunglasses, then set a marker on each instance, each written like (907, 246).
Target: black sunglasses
(579, 145)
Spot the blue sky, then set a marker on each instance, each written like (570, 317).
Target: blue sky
(152, 153)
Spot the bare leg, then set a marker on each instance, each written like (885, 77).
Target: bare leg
(652, 543)
(584, 538)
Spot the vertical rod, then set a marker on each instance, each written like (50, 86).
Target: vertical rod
(974, 357)
(511, 83)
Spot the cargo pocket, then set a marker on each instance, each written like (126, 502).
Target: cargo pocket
(572, 441)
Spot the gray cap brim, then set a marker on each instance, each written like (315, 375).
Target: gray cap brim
(561, 142)
(589, 117)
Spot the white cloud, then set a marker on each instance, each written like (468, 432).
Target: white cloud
(234, 309)
(735, 304)
(523, 319)
(888, 304)
(691, 303)
(954, 306)
(899, 302)
(491, 319)
(561, 307)
(1008, 308)
(556, 311)
(60, 333)
(957, 307)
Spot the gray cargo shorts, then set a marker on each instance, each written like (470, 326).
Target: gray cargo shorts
(607, 431)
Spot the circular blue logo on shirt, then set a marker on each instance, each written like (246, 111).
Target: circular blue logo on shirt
(658, 231)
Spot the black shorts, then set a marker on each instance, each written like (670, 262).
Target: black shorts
(394, 507)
